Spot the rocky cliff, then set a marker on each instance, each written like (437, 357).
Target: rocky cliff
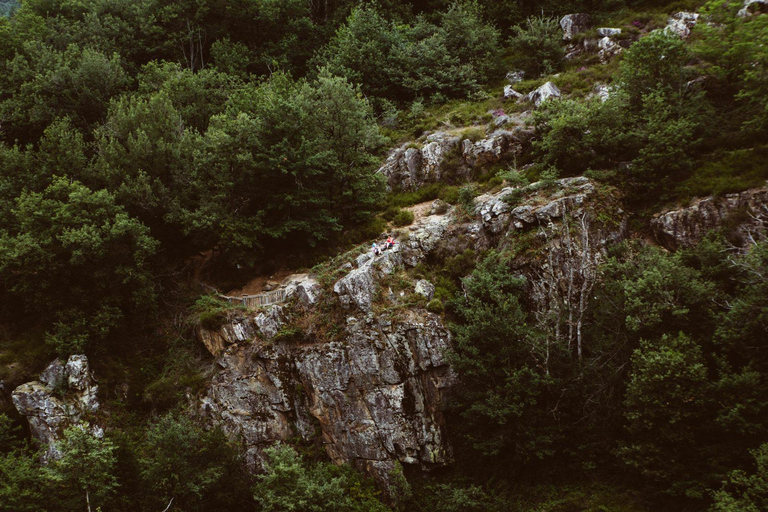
(373, 393)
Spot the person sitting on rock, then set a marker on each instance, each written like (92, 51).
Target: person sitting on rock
(390, 242)
(376, 250)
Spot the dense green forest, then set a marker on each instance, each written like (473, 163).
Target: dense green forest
(137, 134)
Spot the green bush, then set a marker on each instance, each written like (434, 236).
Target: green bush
(403, 218)
(538, 46)
(212, 311)
(428, 192)
(435, 306)
(450, 194)
(390, 213)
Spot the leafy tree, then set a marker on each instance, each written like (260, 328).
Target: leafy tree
(143, 152)
(654, 63)
(578, 135)
(734, 53)
(538, 45)
(398, 61)
(78, 259)
(744, 492)
(504, 365)
(746, 319)
(84, 475)
(195, 468)
(196, 96)
(258, 182)
(22, 484)
(289, 484)
(43, 84)
(666, 405)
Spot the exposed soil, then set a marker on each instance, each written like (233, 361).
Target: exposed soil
(257, 284)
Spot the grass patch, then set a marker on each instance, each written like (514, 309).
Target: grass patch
(397, 200)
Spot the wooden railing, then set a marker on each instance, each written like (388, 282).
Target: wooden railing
(250, 301)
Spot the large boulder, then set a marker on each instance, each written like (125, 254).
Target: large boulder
(545, 92)
(608, 48)
(573, 24)
(65, 394)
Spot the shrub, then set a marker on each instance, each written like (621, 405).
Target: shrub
(435, 306)
(403, 218)
(390, 213)
(473, 134)
(450, 194)
(466, 198)
(426, 193)
(212, 312)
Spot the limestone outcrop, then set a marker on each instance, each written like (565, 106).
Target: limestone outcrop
(446, 157)
(745, 213)
(65, 394)
(752, 7)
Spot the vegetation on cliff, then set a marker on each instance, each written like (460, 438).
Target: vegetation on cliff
(139, 137)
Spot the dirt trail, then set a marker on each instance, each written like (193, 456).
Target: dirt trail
(420, 210)
(257, 284)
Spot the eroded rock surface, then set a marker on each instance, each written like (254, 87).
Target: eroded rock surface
(745, 212)
(373, 399)
(681, 23)
(409, 166)
(548, 91)
(573, 24)
(64, 395)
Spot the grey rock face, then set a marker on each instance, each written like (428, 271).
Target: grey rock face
(685, 227)
(573, 24)
(408, 168)
(681, 23)
(374, 399)
(375, 394)
(608, 49)
(237, 329)
(545, 92)
(602, 91)
(425, 289)
(65, 394)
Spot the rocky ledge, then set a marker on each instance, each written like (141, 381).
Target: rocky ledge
(746, 214)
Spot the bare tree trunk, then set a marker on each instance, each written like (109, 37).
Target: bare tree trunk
(88, 499)
(169, 505)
